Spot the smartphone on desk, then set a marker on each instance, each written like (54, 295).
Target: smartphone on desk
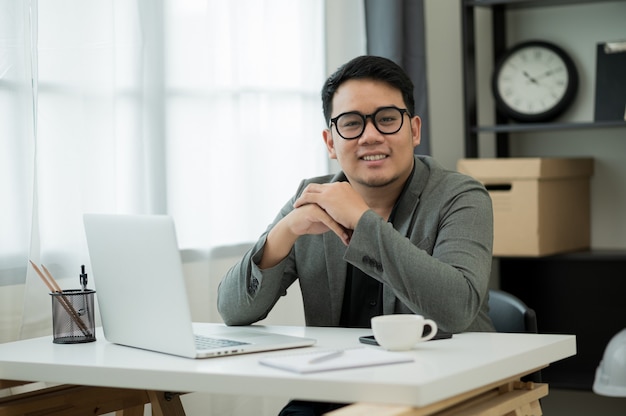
(370, 340)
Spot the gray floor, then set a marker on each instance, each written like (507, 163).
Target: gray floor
(581, 403)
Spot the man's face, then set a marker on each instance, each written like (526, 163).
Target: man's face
(374, 159)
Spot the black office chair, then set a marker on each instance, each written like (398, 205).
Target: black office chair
(509, 314)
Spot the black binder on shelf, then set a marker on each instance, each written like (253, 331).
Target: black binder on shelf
(610, 81)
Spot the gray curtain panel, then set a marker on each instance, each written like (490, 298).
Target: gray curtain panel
(395, 30)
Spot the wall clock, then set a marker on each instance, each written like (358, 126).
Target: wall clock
(534, 81)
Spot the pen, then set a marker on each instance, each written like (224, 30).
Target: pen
(330, 355)
(83, 277)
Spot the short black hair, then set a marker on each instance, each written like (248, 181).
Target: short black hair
(368, 67)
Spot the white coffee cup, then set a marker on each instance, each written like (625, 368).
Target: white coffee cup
(401, 332)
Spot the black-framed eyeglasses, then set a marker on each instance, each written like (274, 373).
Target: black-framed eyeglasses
(387, 120)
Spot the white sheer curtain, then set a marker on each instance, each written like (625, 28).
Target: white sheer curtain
(206, 110)
(243, 112)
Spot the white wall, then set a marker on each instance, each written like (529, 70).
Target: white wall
(445, 82)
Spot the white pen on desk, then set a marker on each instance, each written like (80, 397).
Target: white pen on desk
(328, 356)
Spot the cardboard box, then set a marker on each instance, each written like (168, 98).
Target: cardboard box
(541, 206)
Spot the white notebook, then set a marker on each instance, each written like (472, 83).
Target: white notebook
(327, 360)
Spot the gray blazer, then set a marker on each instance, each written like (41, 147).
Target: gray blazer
(435, 262)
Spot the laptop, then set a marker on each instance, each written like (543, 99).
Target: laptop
(142, 298)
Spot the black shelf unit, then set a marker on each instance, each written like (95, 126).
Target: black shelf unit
(573, 293)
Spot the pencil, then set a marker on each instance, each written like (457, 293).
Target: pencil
(53, 286)
(70, 308)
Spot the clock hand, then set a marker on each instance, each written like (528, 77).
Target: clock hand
(531, 79)
(548, 73)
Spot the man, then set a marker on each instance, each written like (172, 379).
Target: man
(391, 233)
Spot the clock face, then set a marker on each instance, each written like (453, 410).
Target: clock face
(534, 81)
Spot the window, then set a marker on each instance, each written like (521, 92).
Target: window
(243, 108)
(206, 110)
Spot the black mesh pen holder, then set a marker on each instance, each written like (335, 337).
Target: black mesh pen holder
(73, 319)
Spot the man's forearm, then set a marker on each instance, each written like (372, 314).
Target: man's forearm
(278, 244)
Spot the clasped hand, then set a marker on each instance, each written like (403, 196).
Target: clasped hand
(335, 207)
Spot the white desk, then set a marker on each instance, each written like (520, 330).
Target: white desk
(443, 369)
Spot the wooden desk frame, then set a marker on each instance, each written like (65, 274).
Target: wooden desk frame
(512, 397)
(69, 400)
(509, 397)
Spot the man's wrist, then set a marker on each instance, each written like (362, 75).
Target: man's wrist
(278, 244)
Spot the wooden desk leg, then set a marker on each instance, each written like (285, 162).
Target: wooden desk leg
(69, 400)
(5, 384)
(166, 404)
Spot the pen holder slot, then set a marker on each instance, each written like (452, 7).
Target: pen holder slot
(73, 316)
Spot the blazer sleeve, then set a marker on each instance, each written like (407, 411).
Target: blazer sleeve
(441, 267)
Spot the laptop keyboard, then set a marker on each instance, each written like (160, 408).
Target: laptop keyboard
(206, 343)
